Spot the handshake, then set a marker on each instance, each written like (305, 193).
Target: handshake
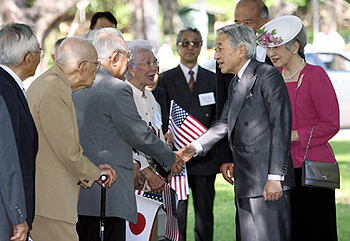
(182, 156)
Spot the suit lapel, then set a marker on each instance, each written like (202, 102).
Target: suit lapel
(244, 87)
(182, 88)
(20, 94)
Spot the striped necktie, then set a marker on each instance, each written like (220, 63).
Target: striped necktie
(191, 82)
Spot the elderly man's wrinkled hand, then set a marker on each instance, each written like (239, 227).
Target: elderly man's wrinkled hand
(178, 165)
(108, 171)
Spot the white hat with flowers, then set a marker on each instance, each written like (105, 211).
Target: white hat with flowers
(278, 31)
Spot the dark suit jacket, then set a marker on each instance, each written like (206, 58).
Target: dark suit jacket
(222, 83)
(176, 88)
(25, 134)
(12, 202)
(257, 119)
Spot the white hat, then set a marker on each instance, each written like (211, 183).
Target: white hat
(279, 31)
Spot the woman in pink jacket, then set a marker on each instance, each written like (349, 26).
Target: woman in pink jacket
(314, 103)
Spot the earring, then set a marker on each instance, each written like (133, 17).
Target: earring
(294, 52)
(133, 75)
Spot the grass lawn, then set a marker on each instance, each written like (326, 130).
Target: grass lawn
(224, 209)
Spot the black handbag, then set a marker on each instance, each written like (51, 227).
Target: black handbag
(320, 174)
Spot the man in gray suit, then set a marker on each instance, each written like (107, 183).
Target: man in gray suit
(257, 118)
(110, 126)
(13, 212)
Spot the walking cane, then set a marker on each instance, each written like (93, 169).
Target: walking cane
(103, 178)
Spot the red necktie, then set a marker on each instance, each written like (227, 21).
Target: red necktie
(191, 82)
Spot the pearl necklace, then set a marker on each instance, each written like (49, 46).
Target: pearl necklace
(294, 72)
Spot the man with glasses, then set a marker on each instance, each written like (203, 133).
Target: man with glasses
(61, 167)
(109, 127)
(254, 14)
(193, 88)
(19, 57)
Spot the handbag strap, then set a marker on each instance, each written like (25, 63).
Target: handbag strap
(308, 143)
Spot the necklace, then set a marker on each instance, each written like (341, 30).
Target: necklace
(294, 72)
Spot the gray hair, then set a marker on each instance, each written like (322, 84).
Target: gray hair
(240, 35)
(301, 38)
(106, 41)
(16, 40)
(194, 30)
(73, 51)
(135, 47)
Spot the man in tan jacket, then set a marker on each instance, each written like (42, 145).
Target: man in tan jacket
(61, 166)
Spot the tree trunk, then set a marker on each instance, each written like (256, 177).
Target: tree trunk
(171, 19)
(144, 20)
(43, 16)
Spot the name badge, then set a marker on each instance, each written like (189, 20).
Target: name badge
(206, 99)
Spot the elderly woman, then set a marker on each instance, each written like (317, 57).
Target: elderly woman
(141, 72)
(314, 104)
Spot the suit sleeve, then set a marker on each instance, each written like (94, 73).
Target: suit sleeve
(135, 131)
(58, 126)
(222, 82)
(217, 132)
(279, 111)
(11, 188)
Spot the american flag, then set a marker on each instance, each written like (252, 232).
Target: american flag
(180, 184)
(185, 127)
(170, 201)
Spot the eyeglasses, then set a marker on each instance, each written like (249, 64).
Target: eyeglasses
(40, 51)
(194, 44)
(97, 64)
(128, 55)
(149, 64)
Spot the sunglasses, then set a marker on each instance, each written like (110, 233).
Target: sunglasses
(194, 44)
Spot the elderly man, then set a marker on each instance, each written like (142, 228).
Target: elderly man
(13, 224)
(110, 126)
(19, 56)
(61, 166)
(254, 14)
(257, 119)
(193, 88)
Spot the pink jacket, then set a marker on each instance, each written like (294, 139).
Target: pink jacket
(314, 103)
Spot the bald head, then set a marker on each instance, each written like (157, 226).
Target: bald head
(252, 13)
(73, 51)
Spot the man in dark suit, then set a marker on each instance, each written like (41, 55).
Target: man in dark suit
(15, 67)
(13, 213)
(254, 14)
(257, 119)
(191, 96)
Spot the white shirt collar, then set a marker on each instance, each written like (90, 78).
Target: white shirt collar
(185, 70)
(260, 53)
(136, 91)
(241, 71)
(14, 75)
